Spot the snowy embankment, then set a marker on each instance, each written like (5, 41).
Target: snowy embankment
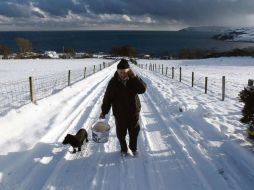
(237, 35)
(202, 147)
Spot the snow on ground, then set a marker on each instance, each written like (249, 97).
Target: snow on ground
(237, 71)
(12, 70)
(203, 147)
(49, 77)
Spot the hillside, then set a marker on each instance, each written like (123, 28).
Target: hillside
(237, 35)
(188, 139)
(217, 29)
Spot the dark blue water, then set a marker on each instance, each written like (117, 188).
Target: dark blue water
(152, 42)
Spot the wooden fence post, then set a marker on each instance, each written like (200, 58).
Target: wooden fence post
(192, 79)
(93, 69)
(162, 69)
(206, 80)
(85, 72)
(69, 77)
(173, 72)
(223, 87)
(166, 71)
(32, 93)
(100, 67)
(180, 77)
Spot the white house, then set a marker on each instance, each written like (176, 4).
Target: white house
(51, 54)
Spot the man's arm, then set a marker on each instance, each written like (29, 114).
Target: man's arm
(135, 83)
(107, 101)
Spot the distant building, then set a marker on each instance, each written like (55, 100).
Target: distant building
(100, 55)
(26, 55)
(65, 56)
(51, 54)
(145, 56)
(79, 55)
(166, 57)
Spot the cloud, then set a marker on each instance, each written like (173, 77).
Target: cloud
(12, 9)
(164, 14)
(127, 18)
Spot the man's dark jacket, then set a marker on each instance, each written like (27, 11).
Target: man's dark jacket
(123, 98)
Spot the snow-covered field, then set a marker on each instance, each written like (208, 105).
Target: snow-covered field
(13, 70)
(237, 71)
(203, 147)
(49, 77)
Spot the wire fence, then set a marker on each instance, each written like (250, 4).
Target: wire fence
(15, 94)
(214, 85)
(50, 84)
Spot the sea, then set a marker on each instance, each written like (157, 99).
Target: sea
(146, 42)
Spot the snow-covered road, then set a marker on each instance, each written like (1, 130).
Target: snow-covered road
(188, 149)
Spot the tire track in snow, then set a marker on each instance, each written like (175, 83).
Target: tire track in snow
(85, 119)
(41, 151)
(74, 116)
(170, 155)
(101, 164)
(99, 155)
(113, 172)
(195, 160)
(233, 168)
(155, 178)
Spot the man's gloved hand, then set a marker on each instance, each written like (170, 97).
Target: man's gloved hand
(102, 116)
(131, 74)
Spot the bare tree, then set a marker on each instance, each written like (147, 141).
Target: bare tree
(125, 50)
(24, 45)
(5, 51)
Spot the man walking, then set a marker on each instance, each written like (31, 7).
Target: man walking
(122, 94)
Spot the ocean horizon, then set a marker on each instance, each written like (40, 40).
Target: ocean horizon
(94, 41)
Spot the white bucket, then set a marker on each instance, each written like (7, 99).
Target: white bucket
(100, 132)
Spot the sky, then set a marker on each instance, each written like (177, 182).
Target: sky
(123, 14)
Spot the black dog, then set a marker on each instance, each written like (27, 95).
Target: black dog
(76, 141)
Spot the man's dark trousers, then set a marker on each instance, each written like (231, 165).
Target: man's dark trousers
(124, 125)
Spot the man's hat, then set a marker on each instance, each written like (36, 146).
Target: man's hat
(123, 64)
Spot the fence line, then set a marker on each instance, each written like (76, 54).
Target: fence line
(214, 85)
(14, 94)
